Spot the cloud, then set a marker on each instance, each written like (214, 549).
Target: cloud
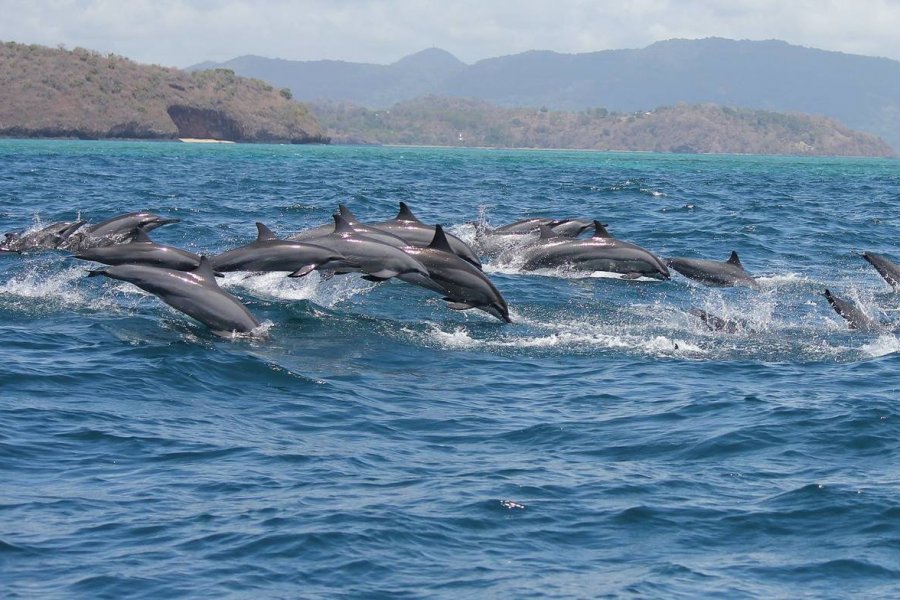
(183, 32)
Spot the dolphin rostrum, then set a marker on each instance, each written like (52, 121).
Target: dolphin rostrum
(712, 272)
(463, 285)
(195, 293)
(141, 250)
(602, 252)
(890, 271)
(856, 318)
(268, 253)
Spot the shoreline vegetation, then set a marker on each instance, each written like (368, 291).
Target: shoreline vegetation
(82, 94)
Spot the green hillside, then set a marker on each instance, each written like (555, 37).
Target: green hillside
(46, 92)
(683, 128)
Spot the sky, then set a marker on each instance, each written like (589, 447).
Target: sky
(180, 33)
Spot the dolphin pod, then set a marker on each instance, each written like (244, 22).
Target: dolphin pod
(404, 248)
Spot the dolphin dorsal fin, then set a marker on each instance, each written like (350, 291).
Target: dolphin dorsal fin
(440, 241)
(342, 225)
(264, 234)
(600, 230)
(546, 232)
(734, 260)
(405, 214)
(140, 236)
(205, 271)
(347, 214)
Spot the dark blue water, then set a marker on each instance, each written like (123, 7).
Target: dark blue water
(375, 444)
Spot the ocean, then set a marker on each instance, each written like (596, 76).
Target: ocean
(374, 444)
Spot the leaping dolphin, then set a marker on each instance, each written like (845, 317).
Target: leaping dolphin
(856, 318)
(49, 237)
(117, 230)
(141, 250)
(195, 293)
(712, 272)
(888, 270)
(602, 252)
(376, 260)
(416, 233)
(268, 253)
(463, 285)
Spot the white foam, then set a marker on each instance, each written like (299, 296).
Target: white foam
(884, 345)
(277, 286)
(50, 287)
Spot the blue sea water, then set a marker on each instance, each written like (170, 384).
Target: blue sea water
(375, 444)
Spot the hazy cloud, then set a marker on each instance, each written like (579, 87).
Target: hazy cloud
(183, 32)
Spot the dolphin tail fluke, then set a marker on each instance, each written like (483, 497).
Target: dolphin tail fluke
(600, 230)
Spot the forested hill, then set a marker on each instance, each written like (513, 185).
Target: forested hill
(862, 92)
(46, 92)
(683, 128)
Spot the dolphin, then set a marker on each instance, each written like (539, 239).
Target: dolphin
(195, 293)
(49, 237)
(416, 233)
(118, 229)
(141, 250)
(268, 253)
(715, 323)
(712, 272)
(310, 235)
(563, 227)
(375, 259)
(856, 318)
(890, 271)
(602, 252)
(463, 285)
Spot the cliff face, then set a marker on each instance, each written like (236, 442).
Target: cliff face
(46, 92)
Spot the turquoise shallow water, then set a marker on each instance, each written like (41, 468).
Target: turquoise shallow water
(375, 444)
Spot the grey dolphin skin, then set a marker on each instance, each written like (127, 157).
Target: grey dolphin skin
(888, 270)
(195, 293)
(373, 232)
(268, 253)
(416, 233)
(141, 250)
(50, 237)
(601, 252)
(463, 285)
(712, 272)
(376, 260)
(856, 319)
(571, 228)
(715, 323)
(116, 230)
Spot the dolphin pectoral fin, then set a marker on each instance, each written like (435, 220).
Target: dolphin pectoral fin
(303, 271)
(384, 273)
(459, 304)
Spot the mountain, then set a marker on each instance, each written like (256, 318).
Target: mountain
(361, 83)
(46, 92)
(443, 121)
(861, 92)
